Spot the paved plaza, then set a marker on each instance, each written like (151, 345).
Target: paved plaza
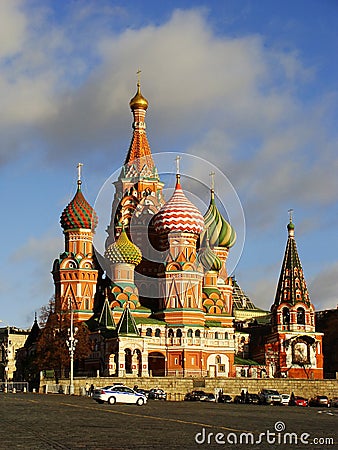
(43, 422)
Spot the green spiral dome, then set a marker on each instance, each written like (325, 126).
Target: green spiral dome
(220, 232)
(208, 259)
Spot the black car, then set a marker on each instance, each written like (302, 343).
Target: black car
(196, 396)
(320, 400)
(142, 391)
(224, 398)
(157, 394)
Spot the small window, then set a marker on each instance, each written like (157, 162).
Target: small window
(149, 332)
(189, 334)
(198, 333)
(170, 333)
(179, 333)
(157, 332)
(221, 368)
(216, 335)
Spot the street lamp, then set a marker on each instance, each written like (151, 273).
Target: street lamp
(5, 348)
(71, 343)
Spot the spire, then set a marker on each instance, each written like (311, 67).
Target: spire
(106, 319)
(127, 324)
(291, 287)
(139, 160)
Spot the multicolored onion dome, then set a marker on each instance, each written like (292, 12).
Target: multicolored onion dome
(178, 214)
(123, 251)
(209, 259)
(78, 213)
(221, 233)
(138, 101)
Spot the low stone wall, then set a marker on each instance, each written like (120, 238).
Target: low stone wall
(176, 388)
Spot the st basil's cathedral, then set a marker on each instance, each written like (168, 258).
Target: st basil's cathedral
(159, 301)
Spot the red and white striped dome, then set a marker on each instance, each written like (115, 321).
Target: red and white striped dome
(179, 214)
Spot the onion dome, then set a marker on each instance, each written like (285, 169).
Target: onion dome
(123, 251)
(78, 213)
(221, 233)
(209, 259)
(178, 214)
(138, 101)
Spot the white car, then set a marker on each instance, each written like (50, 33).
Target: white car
(285, 399)
(118, 394)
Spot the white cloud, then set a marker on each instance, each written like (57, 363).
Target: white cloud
(12, 28)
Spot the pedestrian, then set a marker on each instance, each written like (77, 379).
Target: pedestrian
(91, 390)
(87, 389)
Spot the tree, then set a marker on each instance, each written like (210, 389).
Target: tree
(52, 351)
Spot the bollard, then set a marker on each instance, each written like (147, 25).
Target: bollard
(14, 390)
(25, 389)
(34, 390)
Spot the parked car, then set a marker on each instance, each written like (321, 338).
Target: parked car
(118, 394)
(285, 399)
(195, 396)
(248, 398)
(270, 397)
(142, 391)
(319, 400)
(209, 397)
(157, 394)
(224, 398)
(238, 399)
(334, 402)
(301, 401)
(253, 399)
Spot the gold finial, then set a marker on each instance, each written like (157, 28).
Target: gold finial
(290, 211)
(138, 73)
(178, 164)
(79, 166)
(212, 183)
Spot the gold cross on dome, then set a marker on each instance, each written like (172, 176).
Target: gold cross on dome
(79, 166)
(212, 183)
(138, 73)
(178, 164)
(290, 211)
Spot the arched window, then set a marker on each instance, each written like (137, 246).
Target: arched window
(170, 333)
(157, 332)
(216, 335)
(300, 316)
(218, 359)
(198, 333)
(286, 316)
(149, 332)
(179, 333)
(226, 335)
(189, 333)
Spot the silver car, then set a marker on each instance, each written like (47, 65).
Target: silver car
(118, 394)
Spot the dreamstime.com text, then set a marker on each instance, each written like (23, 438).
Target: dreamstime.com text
(277, 437)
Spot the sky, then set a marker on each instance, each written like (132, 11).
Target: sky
(248, 86)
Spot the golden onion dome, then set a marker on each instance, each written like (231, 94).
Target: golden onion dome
(123, 251)
(138, 101)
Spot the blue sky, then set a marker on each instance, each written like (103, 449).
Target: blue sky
(250, 86)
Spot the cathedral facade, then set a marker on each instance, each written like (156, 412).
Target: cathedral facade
(159, 301)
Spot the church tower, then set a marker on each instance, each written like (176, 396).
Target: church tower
(180, 223)
(294, 349)
(75, 271)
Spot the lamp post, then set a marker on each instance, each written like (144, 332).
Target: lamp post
(5, 351)
(71, 343)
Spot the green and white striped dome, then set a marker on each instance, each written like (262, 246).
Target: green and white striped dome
(220, 232)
